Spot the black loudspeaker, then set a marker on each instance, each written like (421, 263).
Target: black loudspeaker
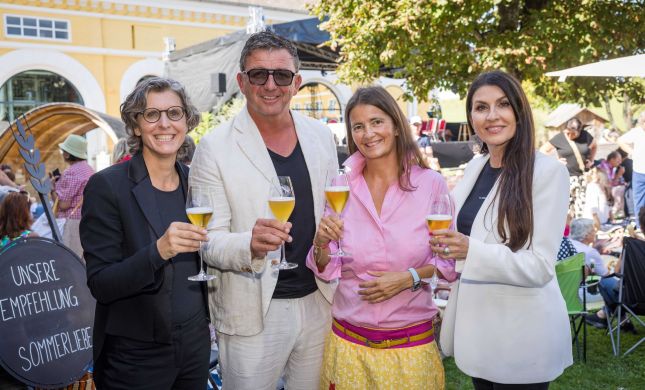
(218, 83)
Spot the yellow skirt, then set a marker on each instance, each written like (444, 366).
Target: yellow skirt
(350, 366)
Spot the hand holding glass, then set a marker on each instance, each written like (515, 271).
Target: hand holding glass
(440, 217)
(199, 209)
(337, 194)
(282, 200)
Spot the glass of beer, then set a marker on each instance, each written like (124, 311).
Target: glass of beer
(440, 217)
(282, 200)
(337, 194)
(199, 209)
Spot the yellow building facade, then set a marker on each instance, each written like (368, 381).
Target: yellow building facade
(101, 48)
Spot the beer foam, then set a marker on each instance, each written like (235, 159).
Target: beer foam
(439, 217)
(199, 210)
(337, 189)
(282, 199)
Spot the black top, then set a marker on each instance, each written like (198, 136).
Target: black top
(478, 194)
(628, 164)
(561, 145)
(187, 299)
(300, 281)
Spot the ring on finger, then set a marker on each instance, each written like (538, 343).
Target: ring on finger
(446, 250)
(326, 228)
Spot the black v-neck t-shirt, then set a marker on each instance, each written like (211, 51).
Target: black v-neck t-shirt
(300, 281)
(478, 194)
(187, 298)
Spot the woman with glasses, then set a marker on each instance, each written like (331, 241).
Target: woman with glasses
(150, 327)
(15, 217)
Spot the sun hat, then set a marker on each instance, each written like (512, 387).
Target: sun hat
(75, 145)
(415, 119)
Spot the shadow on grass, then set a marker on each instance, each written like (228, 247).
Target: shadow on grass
(602, 371)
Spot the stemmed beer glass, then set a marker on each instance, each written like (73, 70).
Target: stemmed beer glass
(199, 209)
(337, 194)
(282, 200)
(440, 217)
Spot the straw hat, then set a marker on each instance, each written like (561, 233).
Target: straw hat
(75, 145)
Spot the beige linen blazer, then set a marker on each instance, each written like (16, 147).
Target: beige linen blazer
(511, 322)
(234, 160)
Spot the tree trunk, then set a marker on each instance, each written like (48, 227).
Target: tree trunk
(627, 112)
(610, 115)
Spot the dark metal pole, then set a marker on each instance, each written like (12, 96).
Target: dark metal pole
(36, 170)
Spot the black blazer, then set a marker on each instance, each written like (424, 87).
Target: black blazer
(119, 228)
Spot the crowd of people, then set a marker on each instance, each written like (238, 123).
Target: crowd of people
(366, 319)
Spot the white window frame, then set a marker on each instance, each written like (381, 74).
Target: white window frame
(38, 28)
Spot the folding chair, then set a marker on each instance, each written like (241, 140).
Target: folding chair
(631, 292)
(570, 273)
(441, 129)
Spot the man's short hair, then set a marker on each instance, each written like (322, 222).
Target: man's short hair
(267, 40)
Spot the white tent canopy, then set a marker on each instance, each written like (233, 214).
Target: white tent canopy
(632, 66)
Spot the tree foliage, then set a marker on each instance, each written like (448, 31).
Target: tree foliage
(445, 44)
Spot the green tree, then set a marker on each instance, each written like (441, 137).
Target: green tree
(211, 121)
(445, 44)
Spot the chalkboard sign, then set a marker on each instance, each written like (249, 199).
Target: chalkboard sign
(46, 313)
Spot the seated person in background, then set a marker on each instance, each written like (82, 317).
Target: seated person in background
(609, 287)
(614, 171)
(15, 217)
(597, 198)
(583, 235)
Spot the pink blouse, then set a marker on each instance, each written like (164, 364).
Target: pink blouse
(393, 241)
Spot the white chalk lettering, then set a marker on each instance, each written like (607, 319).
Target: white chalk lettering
(54, 347)
(37, 302)
(34, 273)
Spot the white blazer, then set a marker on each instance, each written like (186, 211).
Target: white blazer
(511, 322)
(234, 160)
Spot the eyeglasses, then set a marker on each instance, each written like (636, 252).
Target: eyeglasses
(152, 115)
(281, 77)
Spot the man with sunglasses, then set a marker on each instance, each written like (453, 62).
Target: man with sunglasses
(269, 323)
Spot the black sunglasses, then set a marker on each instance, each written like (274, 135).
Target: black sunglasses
(281, 77)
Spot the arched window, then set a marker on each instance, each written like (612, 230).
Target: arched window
(33, 88)
(318, 101)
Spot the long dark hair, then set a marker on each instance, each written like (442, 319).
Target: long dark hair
(407, 151)
(515, 217)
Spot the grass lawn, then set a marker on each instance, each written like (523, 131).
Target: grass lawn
(602, 370)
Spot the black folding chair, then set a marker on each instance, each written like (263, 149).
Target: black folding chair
(631, 292)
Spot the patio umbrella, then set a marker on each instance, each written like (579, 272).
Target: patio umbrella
(632, 66)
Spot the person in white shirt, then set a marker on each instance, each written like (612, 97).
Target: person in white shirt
(633, 142)
(582, 237)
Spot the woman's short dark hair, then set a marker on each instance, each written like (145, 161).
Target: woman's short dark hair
(15, 214)
(407, 151)
(136, 102)
(515, 216)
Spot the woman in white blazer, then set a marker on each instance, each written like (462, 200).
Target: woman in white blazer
(511, 325)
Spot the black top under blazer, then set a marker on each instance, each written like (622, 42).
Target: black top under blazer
(119, 229)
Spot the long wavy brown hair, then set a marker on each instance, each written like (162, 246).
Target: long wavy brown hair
(515, 215)
(407, 151)
(15, 216)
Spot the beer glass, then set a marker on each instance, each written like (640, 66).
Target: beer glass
(199, 209)
(337, 194)
(440, 217)
(282, 200)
